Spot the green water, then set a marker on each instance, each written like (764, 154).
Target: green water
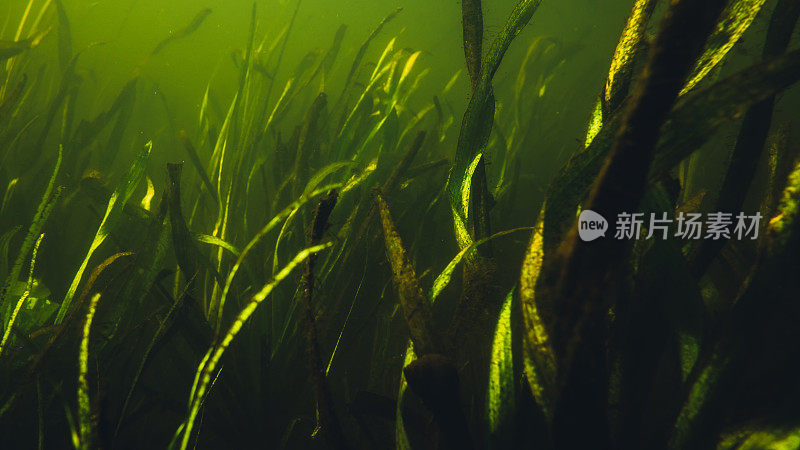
(331, 224)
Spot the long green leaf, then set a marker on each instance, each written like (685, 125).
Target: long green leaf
(111, 219)
(85, 421)
(213, 240)
(477, 122)
(208, 367)
(538, 355)
(39, 219)
(190, 28)
(735, 20)
(25, 295)
(500, 402)
(443, 279)
(9, 49)
(263, 232)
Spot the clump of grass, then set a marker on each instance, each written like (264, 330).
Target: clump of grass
(541, 346)
(112, 215)
(208, 367)
(21, 301)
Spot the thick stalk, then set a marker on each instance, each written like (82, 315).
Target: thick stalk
(588, 274)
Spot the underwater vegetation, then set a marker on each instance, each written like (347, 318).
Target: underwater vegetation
(327, 256)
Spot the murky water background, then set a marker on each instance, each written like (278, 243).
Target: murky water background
(187, 240)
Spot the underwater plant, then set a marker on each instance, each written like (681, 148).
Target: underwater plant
(343, 247)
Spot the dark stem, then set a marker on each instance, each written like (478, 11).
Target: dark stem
(588, 274)
(328, 422)
(472, 23)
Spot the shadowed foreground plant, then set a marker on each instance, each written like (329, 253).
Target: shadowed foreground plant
(581, 290)
(432, 375)
(208, 367)
(752, 134)
(613, 343)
